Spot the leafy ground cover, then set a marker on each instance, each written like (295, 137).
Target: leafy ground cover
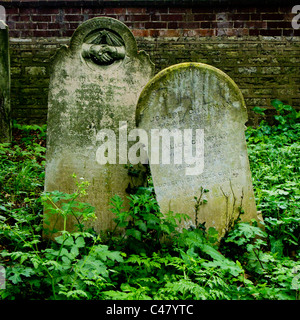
(152, 260)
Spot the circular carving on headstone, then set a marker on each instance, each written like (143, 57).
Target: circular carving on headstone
(103, 47)
(103, 42)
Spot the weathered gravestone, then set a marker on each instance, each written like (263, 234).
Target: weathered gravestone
(5, 120)
(203, 111)
(95, 84)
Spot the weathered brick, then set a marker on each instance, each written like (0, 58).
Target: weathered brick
(10, 11)
(45, 33)
(255, 24)
(240, 17)
(262, 91)
(73, 17)
(53, 25)
(205, 17)
(272, 16)
(69, 10)
(139, 10)
(173, 25)
(35, 71)
(155, 25)
(205, 25)
(177, 10)
(25, 33)
(223, 16)
(138, 17)
(255, 17)
(207, 32)
(41, 18)
(279, 24)
(42, 25)
(15, 71)
(73, 25)
(253, 32)
(154, 33)
(18, 18)
(155, 17)
(152, 10)
(11, 25)
(246, 43)
(171, 17)
(188, 25)
(140, 32)
(222, 25)
(270, 32)
(238, 24)
(271, 70)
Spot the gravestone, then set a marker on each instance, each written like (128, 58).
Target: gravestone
(94, 86)
(199, 114)
(5, 119)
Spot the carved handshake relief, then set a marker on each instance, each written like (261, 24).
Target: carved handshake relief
(103, 48)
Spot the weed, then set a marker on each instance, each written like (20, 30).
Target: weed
(151, 259)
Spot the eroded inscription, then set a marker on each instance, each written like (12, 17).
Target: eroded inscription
(196, 96)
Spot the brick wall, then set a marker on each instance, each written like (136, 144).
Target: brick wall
(155, 22)
(256, 46)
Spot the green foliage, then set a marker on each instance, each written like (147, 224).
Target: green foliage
(146, 257)
(75, 266)
(274, 154)
(22, 167)
(145, 226)
(64, 205)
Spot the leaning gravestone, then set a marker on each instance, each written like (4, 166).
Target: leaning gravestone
(5, 120)
(94, 86)
(202, 112)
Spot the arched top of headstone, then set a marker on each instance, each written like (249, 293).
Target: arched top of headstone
(217, 86)
(103, 41)
(103, 45)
